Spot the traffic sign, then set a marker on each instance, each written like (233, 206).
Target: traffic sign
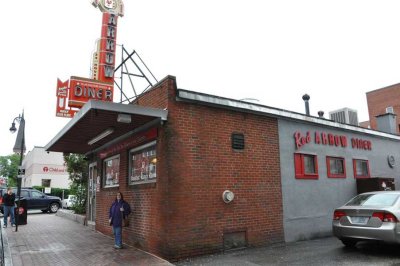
(21, 172)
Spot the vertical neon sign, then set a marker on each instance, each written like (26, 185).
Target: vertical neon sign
(104, 68)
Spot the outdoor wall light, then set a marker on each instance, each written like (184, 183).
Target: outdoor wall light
(228, 196)
(101, 136)
(124, 118)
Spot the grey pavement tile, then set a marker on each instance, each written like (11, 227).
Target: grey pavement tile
(51, 240)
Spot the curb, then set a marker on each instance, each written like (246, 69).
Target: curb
(6, 248)
(80, 219)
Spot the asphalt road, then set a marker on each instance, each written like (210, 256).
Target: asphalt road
(325, 251)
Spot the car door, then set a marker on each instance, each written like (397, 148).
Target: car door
(37, 200)
(26, 195)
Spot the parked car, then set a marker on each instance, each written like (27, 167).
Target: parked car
(368, 216)
(35, 200)
(69, 201)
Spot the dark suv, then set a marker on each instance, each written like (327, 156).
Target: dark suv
(35, 200)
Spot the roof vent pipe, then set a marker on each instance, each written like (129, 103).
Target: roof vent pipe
(321, 114)
(306, 97)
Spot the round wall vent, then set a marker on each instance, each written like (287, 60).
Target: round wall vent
(228, 196)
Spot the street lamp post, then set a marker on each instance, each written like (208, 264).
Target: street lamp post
(20, 140)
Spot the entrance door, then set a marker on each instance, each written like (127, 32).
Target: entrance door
(92, 193)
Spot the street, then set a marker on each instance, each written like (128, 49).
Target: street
(324, 251)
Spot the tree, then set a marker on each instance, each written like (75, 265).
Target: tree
(9, 168)
(77, 167)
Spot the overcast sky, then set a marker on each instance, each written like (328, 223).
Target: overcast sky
(273, 51)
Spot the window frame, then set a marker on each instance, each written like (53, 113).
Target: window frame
(104, 175)
(328, 167)
(299, 170)
(46, 180)
(355, 168)
(137, 150)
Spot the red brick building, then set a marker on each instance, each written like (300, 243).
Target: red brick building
(172, 162)
(382, 101)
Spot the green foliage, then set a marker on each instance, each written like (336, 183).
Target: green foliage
(9, 168)
(77, 167)
(55, 191)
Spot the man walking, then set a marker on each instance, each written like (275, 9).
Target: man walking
(9, 206)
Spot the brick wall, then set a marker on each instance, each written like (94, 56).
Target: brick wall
(378, 100)
(183, 214)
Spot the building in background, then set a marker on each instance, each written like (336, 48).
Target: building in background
(384, 101)
(365, 124)
(45, 169)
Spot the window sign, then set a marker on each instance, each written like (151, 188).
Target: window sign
(361, 168)
(336, 167)
(306, 166)
(143, 164)
(309, 164)
(111, 171)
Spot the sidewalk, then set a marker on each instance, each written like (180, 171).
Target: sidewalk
(51, 240)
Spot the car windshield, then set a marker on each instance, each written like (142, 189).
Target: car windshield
(373, 200)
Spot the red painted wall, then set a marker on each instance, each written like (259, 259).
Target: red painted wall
(183, 214)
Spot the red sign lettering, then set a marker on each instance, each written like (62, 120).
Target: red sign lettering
(322, 138)
(361, 144)
(300, 140)
(129, 143)
(82, 90)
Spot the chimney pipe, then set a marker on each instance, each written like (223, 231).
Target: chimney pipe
(321, 114)
(306, 97)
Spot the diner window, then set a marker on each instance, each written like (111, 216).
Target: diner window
(143, 164)
(361, 168)
(336, 167)
(111, 172)
(306, 166)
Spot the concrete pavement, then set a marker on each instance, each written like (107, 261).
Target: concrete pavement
(48, 239)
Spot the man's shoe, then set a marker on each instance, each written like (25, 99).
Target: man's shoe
(5, 226)
(12, 225)
(117, 247)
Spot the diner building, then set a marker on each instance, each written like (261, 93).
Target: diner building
(205, 173)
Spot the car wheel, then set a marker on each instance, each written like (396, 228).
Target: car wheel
(44, 211)
(54, 207)
(348, 242)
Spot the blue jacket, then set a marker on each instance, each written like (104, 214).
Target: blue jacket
(116, 215)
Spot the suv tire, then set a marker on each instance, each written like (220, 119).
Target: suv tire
(54, 207)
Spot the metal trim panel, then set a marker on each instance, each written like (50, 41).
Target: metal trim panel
(108, 106)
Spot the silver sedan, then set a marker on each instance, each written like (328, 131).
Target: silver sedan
(369, 216)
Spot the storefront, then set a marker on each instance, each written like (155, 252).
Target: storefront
(205, 173)
(173, 162)
(320, 163)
